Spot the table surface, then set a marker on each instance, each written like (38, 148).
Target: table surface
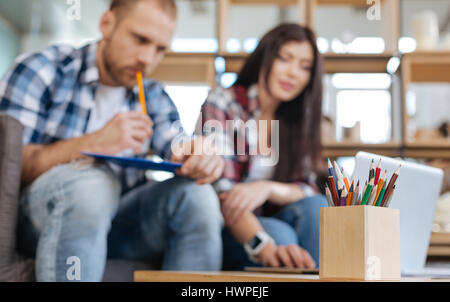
(237, 276)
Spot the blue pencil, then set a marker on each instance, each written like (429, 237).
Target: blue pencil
(332, 173)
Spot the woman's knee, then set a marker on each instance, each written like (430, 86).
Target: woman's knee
(280, 231)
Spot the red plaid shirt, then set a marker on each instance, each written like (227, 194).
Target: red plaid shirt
(234, 104)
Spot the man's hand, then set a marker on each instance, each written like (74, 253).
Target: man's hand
(285, 255)
(126, 130)
(200, 161)
(243, 198)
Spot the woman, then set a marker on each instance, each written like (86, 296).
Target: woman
(280, 81)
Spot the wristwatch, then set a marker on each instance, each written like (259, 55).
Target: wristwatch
(255, 245)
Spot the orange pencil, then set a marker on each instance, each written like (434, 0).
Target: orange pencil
(141, 92)
(381, 184)
(346, 182)
(350, 196)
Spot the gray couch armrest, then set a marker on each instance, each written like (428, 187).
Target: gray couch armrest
(10, 171)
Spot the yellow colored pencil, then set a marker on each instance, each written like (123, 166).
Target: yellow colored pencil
(141, 92)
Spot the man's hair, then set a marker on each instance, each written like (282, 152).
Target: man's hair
(122, 6)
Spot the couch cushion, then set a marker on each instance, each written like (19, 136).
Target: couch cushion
(12, 267)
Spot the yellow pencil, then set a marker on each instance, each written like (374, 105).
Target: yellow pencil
(141, 92)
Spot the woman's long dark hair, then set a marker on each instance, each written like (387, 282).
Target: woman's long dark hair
(299, 119)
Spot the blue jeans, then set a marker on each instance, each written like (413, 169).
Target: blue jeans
(77, 210)
(296, 223)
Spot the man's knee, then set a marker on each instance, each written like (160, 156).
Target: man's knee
(199, 201)
(87, 190)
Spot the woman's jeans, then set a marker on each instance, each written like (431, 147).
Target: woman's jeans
(296, 223)
(76, 211)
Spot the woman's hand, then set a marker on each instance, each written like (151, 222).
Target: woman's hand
(244, 198)
(285, 255)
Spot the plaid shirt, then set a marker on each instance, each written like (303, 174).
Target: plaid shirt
(235, 104)
(52, 94)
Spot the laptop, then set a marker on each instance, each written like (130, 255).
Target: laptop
(417, 190)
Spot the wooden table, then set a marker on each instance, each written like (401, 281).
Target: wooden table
(226, 276)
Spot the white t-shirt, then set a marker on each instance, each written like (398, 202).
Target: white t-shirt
(108, 102)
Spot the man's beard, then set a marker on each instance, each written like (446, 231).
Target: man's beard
(112, 72)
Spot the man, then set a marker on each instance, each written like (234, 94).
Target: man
(74, 100)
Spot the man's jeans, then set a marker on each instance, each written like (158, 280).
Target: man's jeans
(76, 210)
(296, 223)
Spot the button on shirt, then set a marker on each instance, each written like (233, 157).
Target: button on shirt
(52, 93)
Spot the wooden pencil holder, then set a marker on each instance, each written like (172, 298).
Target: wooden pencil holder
(359, 243)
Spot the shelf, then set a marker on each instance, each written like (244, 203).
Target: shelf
(333, 63)
(263, 2)
(186, 68)
(439, 244)
(444, 144)
(343, 2)
(356, 63)
(432, 66)
(440, 238)
(343, 149)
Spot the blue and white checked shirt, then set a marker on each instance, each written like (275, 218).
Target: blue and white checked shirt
(52, 94)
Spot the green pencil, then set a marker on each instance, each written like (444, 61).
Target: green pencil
(380, 197)
(367, 192)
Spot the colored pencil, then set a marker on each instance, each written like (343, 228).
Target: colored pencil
(380, 197)
(350, 196)
(390, 185)
(355, 194)
(141, 92)
(341, 187)
(381, 182)
(332, 173)
(367, 192)
(371, 170)
(372, 196)
(346, 181)
(377, 172)
(388, 202)
(329, 198)
(332, 187)
(343, 198)
(338, 172)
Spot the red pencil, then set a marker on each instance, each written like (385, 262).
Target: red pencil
(377, 172)
(334, 193)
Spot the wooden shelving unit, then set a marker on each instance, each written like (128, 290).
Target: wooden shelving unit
(187, 68)
(439, 245)
(424, 67)
(415, 67)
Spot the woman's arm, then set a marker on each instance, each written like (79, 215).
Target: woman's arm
(282, 194)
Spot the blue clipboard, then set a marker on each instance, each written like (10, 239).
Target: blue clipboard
(135, 162)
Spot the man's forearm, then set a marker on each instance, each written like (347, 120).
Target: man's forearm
(38, 159)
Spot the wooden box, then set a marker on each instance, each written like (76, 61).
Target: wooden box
(359, 243)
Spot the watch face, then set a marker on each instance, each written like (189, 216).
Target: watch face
(254, 242)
